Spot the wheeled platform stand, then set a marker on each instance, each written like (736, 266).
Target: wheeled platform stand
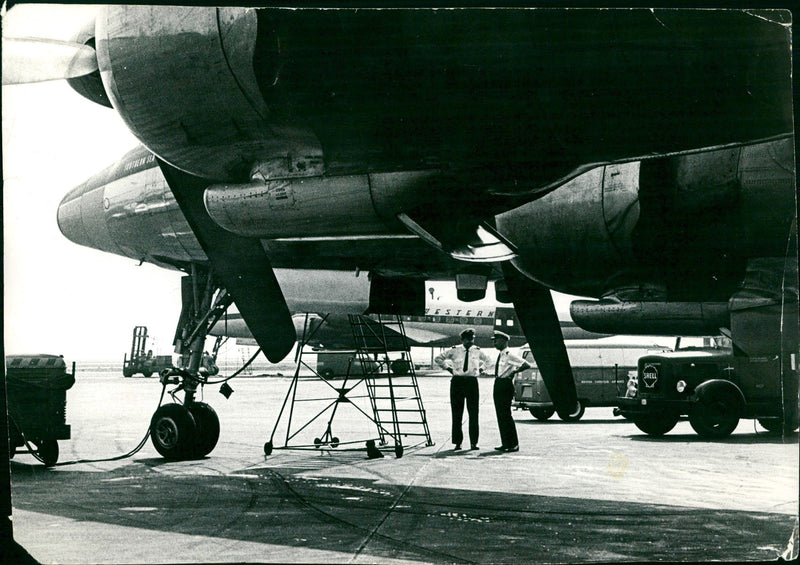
(391, 396)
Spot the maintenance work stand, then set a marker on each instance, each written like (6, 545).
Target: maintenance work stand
(380, 384)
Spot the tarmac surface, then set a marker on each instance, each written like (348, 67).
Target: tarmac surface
(597, 490)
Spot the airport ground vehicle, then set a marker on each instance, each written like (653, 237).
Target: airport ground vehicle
(333, 364)
(601, 373)
(714, 388)
(143, 362)
(37, 401)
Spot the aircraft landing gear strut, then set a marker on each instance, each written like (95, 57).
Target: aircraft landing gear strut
(190, 429)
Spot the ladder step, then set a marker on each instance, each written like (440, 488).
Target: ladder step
(405, 422)
(381, 335)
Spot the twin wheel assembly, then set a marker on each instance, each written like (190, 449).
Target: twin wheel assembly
(184, 431)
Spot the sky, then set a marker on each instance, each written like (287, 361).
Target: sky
(59, 297)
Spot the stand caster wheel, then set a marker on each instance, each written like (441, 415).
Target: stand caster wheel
(335, 442)
(267, 448)
(317, 442)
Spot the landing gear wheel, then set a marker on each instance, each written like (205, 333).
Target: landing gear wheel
(542, 414)
(398, 451)
(317, 442)
(716, 415)
(47, 449)
(207, 432)
(656, 424)
(334, 442)
(173, 431)
(577, 414)
(268, 448)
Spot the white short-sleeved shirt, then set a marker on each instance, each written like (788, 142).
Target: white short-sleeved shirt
(453, 359)
(506, 362)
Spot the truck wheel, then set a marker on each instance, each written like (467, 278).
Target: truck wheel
(656, 424)
(716, 415)
(542, 414)
(577, 415)
(207, 432)
(47, 449)
(777, 425)
(147, 374)
(172, 430)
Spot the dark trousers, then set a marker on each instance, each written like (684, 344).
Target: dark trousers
(503, 395)
(464, 389)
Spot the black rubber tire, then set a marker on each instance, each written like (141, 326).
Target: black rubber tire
(268, 448)
(716, 415)
(173, 431)
(577, 415)
(542, 414)
(777, 425)
(327, 374)
(398, 451)
(47, 449)
(147, 374)
(400, 367)
(207, 432)
(656, 424)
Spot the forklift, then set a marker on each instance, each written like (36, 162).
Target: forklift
(141, 361)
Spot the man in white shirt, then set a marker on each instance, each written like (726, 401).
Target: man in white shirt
(465, 362)
(506, 366)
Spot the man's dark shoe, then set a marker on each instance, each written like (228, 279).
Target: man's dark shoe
(512, 449)
(500, 448)
(457, 447)
(474, 447)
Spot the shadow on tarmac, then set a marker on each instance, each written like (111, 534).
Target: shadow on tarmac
(737, 439)
(374, 520)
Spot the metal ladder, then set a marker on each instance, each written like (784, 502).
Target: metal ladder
(391, 383)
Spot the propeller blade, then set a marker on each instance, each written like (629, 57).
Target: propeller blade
(241, 266)
(27, 60)
(537, 316)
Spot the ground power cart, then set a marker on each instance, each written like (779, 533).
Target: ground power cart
(36, 386)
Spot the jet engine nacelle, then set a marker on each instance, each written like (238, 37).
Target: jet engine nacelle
(317, 206)
(677, 229)
(182, 78)
(650, 318)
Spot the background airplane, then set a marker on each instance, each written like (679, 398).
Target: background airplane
(439, 326)
(466, 145)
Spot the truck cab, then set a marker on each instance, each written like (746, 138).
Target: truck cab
(698, 381)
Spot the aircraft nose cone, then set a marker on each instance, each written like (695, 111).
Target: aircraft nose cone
(82, 218)
(70, 220)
